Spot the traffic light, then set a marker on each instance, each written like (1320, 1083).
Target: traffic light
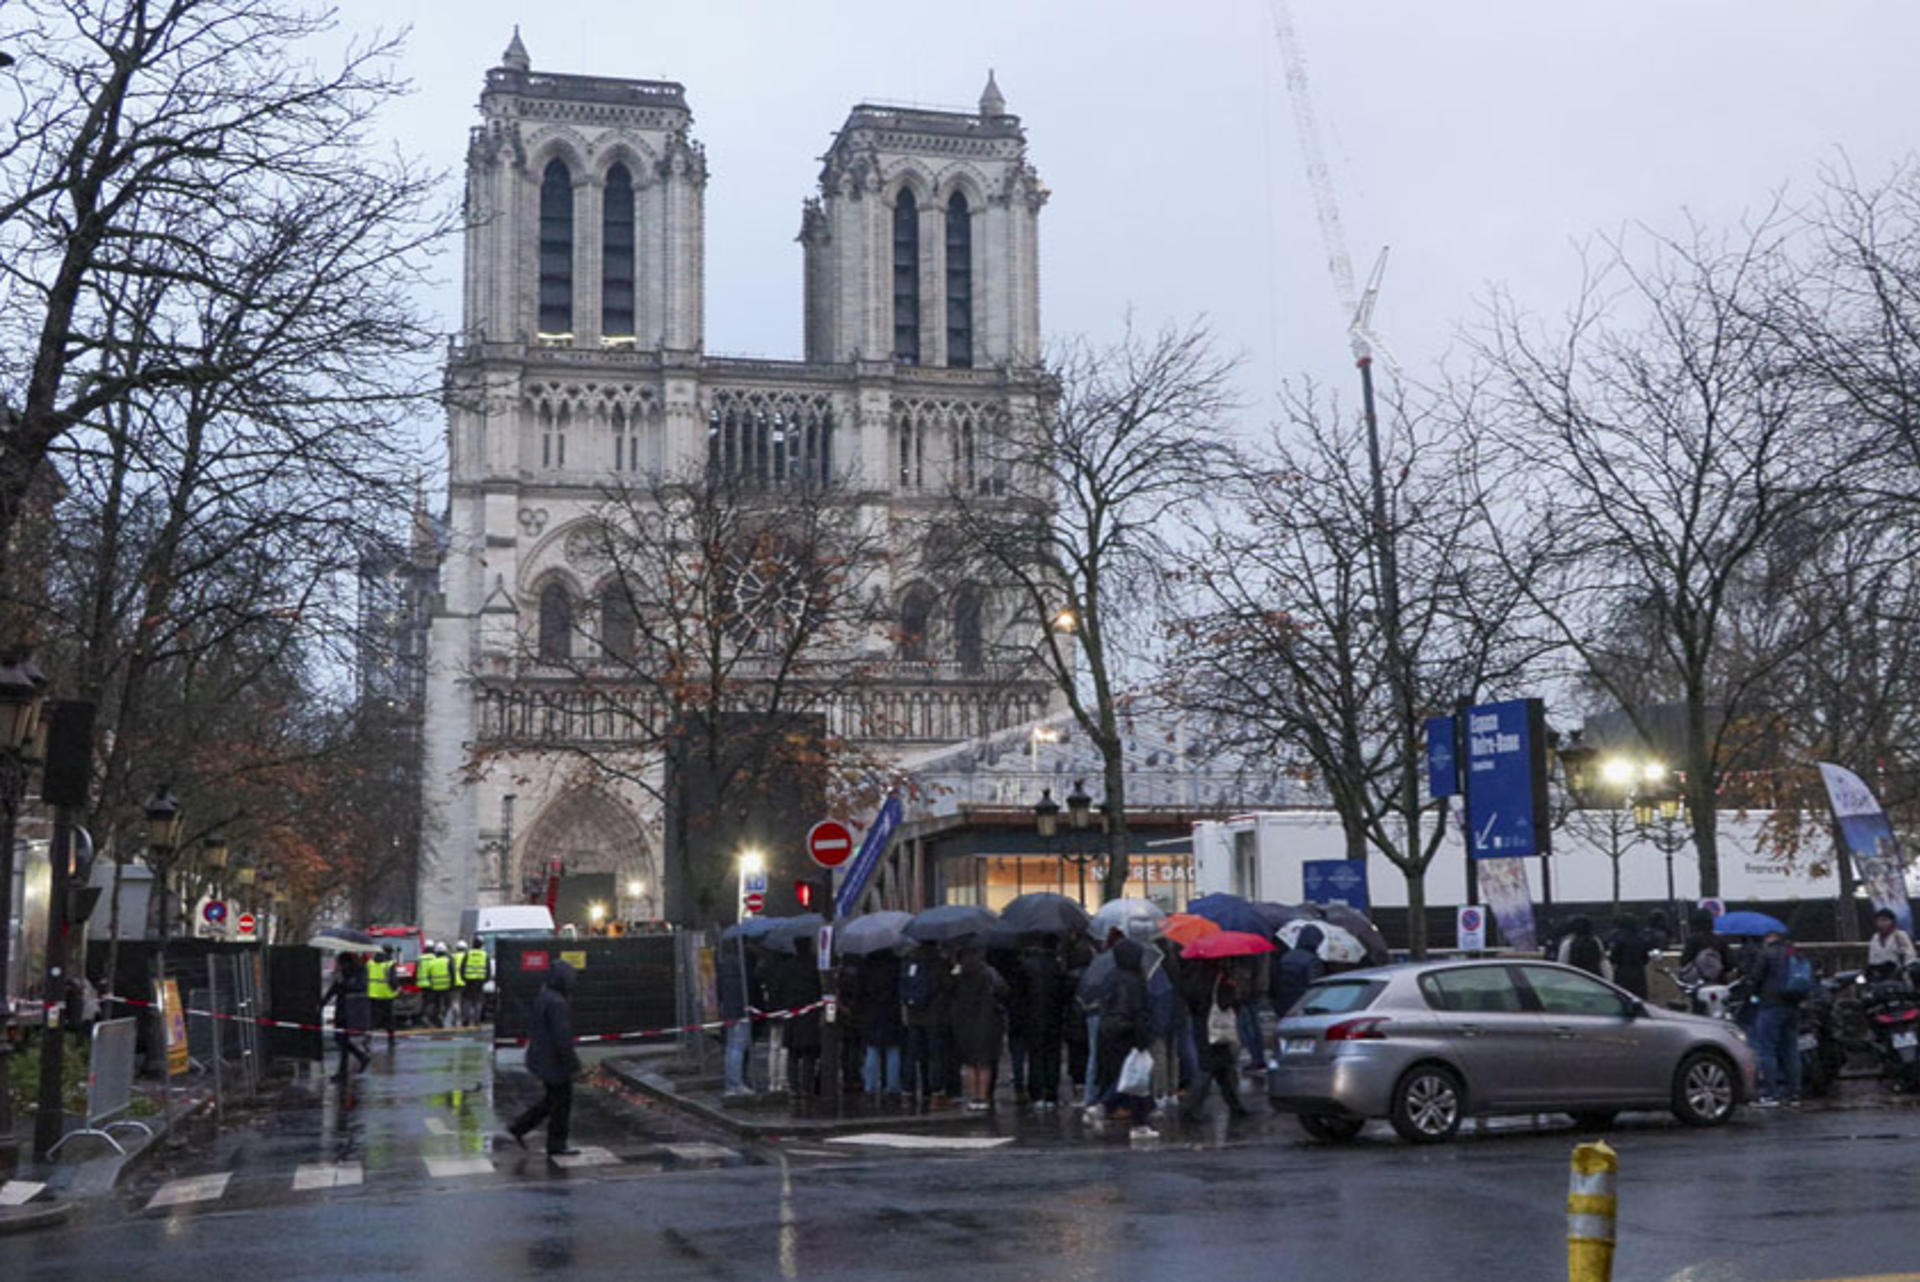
(812, 895)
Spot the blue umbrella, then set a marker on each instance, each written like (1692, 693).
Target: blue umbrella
(1231, 912)
(1747, 924)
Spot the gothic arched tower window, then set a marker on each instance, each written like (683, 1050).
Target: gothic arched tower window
(916, 612)
(968, 644)
(556, 624)
(959, 283)
(616, 623)
(616, 264)
(556, 249)
(906, 278)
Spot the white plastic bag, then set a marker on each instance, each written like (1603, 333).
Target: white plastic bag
(1136, 1074)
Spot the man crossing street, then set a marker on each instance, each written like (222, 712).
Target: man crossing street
(551, 1057)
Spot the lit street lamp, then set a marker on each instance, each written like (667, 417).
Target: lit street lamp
(1046, 819)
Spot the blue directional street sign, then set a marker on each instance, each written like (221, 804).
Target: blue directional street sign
(1506, 779)
(1335, 881)
(753, 883)
(1443, 771)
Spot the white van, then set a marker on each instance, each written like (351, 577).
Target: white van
(511, 921)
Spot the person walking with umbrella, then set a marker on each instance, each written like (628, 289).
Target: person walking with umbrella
(1212, 995)
(1296, 970)
(552, 1058)
(352, 1012)
(1044, 1018)
(1124, 1028)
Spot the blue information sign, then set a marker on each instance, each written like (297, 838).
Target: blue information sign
(1443, 772)
(860, 871)
(1506, 780)
(1335, 881)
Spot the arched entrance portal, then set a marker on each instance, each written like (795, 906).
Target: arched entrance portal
(590, 832)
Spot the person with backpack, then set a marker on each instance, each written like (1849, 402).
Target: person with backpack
(1782, 979)
(1582, 948)
(920, 978)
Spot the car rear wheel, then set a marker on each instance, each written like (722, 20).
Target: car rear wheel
(1595, 1119)
(1334, 1130)
(1705, 1089)
(1427, 1104)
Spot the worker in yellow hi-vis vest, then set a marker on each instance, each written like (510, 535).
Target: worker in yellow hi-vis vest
(473, 984)
(380, 993)
(436, 982)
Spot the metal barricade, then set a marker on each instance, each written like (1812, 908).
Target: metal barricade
(109, 1083)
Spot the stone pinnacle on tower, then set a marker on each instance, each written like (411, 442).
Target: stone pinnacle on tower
(991, 103)
(516, 54)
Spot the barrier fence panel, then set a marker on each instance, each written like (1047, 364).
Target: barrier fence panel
(109, 1082)
(622, 985)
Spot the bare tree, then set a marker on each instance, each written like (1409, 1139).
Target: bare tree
(732, 621)
(1072, 519)
(193, 145)
(1649, 465)
(1286, 643)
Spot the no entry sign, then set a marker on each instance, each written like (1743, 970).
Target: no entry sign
(830, 843)
(246, 923)
(755, 901)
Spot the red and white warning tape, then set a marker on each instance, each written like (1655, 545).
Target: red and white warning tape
(752, 1015)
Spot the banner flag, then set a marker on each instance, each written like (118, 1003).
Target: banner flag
(1503, 884)
(1868, 836)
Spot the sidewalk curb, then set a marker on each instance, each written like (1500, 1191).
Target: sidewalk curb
(24, 1219)
(656, 1087)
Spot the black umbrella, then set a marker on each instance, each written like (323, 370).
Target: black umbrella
(787, 932)
(950, 922)
(1357, 925)
(750, 929)
(1278, 915)
(1042, 912)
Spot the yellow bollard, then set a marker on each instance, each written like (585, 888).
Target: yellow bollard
(1590, 1213)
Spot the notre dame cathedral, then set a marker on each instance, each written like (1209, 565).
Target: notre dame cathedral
(581, 363)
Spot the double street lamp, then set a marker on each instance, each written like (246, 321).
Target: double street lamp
(1076, 847)
(1643, 786)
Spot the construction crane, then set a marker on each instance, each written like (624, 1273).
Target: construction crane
(1357, 310)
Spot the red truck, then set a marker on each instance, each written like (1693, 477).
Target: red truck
(407, 942)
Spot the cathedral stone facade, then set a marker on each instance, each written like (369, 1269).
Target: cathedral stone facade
(580, 364)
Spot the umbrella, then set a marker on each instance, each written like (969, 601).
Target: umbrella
(1042, 912)
(1134, 918)
(950, 922)
(1227, 943)
(338, 939)
(1337, 943)
(1278, 915)
(787, 932)
(1747, 923)
(1101, 970)
(873, 933)
(1232, 913)
(749, 929)
(1355, 923)
(1185, 928)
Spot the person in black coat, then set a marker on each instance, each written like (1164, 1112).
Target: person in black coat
(1203, 984)
(878, 1019)
(979, 1027)
(1630, 953)
(796, 983)
(1296, 970)
(1076, 956)
(1125, 1027)
(1043, 1019)
(352, 1014)
(551, 1057)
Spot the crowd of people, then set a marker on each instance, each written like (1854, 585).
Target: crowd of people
(1046, 1017)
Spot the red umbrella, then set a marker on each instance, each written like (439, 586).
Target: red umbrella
(1228, 943)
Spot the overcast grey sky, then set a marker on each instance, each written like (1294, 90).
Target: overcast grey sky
(1480, 139)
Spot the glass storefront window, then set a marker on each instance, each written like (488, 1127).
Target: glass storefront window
(996, 880)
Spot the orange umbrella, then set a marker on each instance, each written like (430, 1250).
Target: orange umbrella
(1185, 928)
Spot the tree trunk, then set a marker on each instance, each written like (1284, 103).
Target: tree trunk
(1417, 913)
(1114, 886)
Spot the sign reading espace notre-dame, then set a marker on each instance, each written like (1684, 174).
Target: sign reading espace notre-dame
(1506, 779)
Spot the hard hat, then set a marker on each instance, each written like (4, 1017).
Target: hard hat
(440, 949)
(460, 945)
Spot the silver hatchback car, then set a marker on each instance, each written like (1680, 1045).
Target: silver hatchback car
(1428, 1043)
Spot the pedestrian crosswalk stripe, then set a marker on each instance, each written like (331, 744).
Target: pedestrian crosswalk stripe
(590, 1155)
(930, 1143)
(19, 1192)
(327, 1175)
(195, 1188)
(700, 1152)
(438, 1126)
(443, 1168)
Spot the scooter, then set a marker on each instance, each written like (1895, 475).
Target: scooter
(1891, 1010)
(1823, 1054)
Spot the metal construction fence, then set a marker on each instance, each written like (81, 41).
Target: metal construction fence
(109, 1082)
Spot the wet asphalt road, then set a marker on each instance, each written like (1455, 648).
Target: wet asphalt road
(1818, 1194)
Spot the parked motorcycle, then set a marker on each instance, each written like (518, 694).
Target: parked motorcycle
(1823, 1052)
(1889, 1009)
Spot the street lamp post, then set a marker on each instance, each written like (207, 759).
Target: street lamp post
(1046, 818)
(163, 841)
(21, 746)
